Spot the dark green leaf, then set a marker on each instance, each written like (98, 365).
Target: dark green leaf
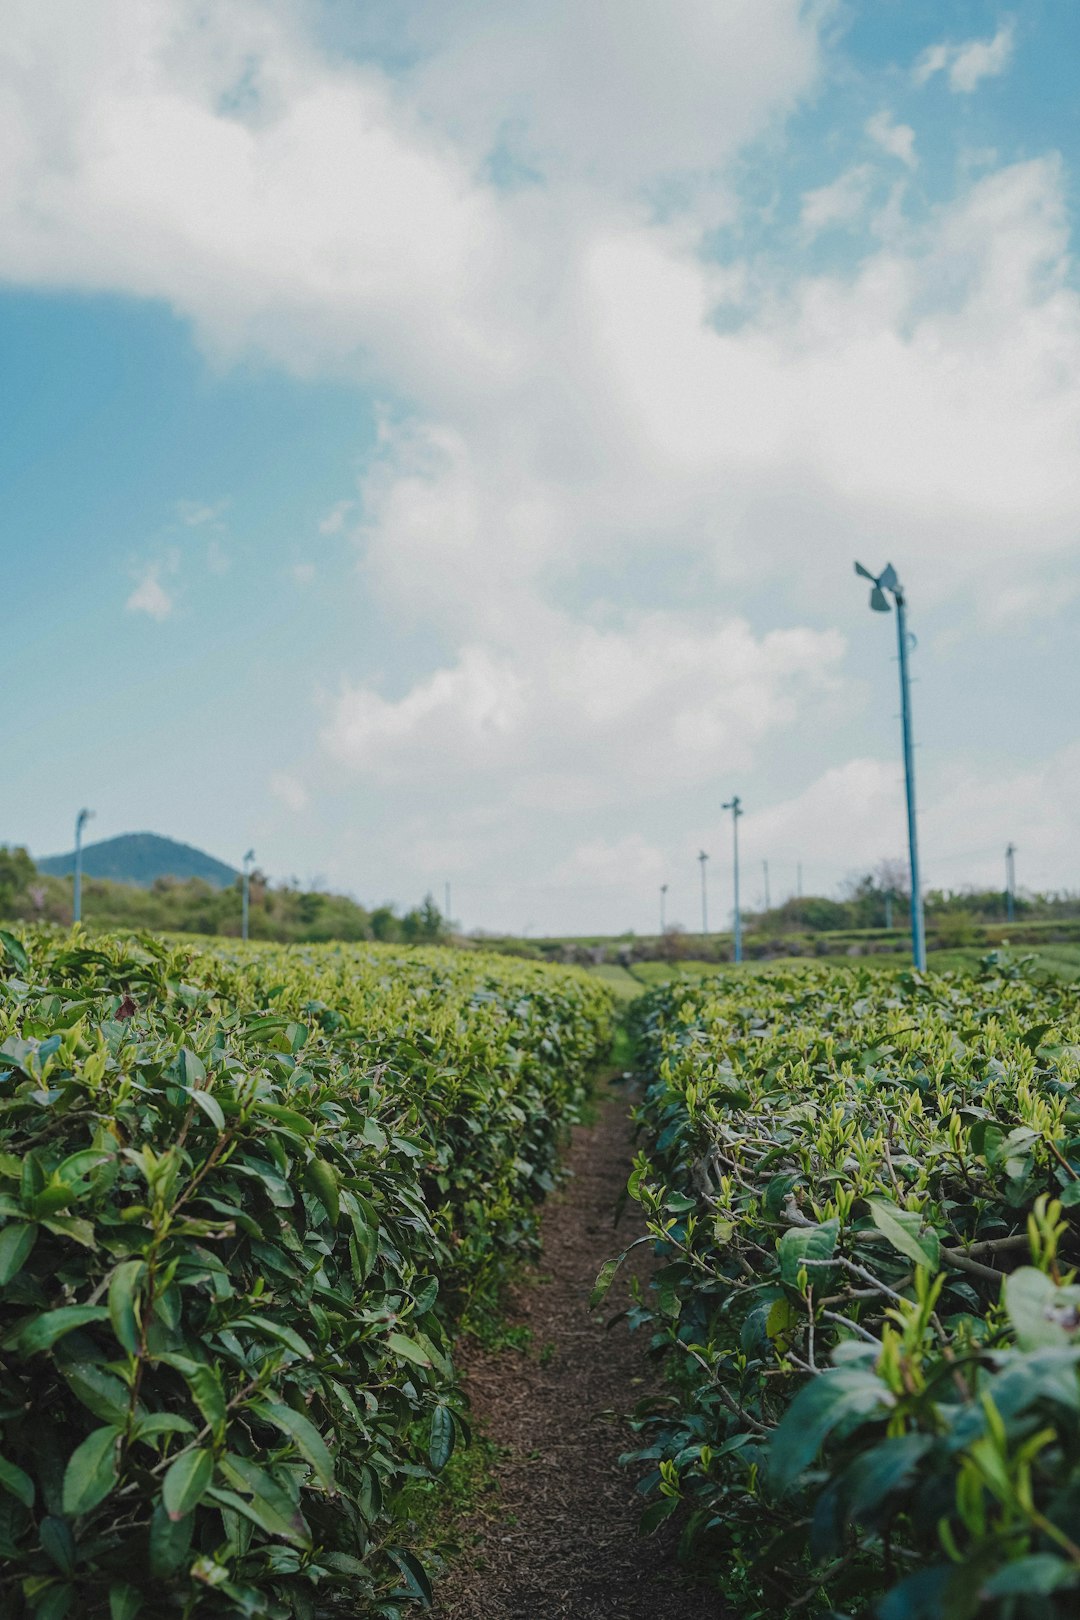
(123, 1311)
(185, 1482)
(92, 1471)
(16, 1245)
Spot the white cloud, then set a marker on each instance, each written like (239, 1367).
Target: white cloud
(194, 514)
(150, 595)
(291, 792)
(303, 572)
(852, 816)
(896, 139)
(839, 203)
(968, 64)
(557, 719)
(334, 521)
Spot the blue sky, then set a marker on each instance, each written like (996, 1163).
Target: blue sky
(435, 439)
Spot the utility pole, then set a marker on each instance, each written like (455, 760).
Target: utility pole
(1010, 883)
(704, 897)
(80, 822)
(735, 806)
(768, 902)
(663, 898)
(798, 880)
(245, 905)
(888, 908)
(887, 581)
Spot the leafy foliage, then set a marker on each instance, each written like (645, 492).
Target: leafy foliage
(864, 1191)
(241, 1201)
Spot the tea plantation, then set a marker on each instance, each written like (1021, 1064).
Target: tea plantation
(864, 1189)
(245, 1196)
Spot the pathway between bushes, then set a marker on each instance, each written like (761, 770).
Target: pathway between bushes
(557, 1537)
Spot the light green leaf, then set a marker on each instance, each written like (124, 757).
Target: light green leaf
(1043, 1316)
(407, 1350)
(903, 1228)
(322, 1180)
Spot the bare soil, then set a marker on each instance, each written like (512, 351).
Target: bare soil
(557, 1537)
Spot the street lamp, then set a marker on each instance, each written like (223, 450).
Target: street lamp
(248, 859)
(888, 581)
(80, 822)
(704, 897)
(735, 806)
(663, 898)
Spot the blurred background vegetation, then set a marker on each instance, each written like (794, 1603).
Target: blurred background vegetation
(193, 906)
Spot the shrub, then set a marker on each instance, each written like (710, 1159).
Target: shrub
(223, 1230)
(863, 1187)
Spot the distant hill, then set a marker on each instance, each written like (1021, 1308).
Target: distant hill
(141, 858)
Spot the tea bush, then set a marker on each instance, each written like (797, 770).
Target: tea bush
(864, 1188)
(242, 1200)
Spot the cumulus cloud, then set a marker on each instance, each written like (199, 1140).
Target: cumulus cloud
(852, 816)
(334, 521)
(968, 64)
(150, 596)
(557, 720)
(838, 203)
(896, 139)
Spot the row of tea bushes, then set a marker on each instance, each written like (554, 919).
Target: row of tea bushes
(242, 1201)
(864, 1189)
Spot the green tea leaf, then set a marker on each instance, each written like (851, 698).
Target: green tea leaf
(92, 1471)
(16, 1246)
(309, 1442)
(123, 1303)
(19, 1484)
(903, 1228)
(185, 1482)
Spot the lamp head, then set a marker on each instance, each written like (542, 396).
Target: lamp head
(887, 580)
(250, 856)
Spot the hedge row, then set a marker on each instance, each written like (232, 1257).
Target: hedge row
(864, 1189)
(242, 1201)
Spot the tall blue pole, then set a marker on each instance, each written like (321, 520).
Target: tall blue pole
(80, 822)
(735, 806)
(245, 887)
(887, 581)
(918, 926)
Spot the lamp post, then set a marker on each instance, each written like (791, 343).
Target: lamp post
(887, 581)
(663, 899)
(735, 806)
(1010, 882)
(704, 897)
(80, 822)
(245, 903)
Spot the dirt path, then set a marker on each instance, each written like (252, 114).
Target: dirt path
(559, 1536)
